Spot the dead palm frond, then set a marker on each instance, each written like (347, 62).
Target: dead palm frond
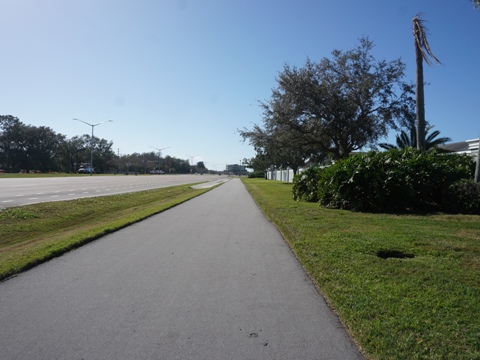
(422, 53)
(420, 35)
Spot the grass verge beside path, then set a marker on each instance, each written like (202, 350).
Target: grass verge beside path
(32, 234)
(406, 286)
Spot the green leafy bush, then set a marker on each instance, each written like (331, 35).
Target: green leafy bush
(305, 185)
(462, 197)
(394, 180)
(256, 174)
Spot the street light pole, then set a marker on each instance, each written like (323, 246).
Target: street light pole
(191, 162)
(91, 140)
(159, 153)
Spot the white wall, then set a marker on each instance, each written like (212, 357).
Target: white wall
(281, 175)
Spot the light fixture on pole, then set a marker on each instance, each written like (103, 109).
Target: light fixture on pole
(91, 140)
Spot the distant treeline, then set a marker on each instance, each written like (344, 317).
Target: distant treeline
(40, 149)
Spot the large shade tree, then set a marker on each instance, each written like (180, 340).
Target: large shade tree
(32, 148)
(11, 149)
(42, 148)
(258, 163)
(27, 147)
(338, 105)
(276, 143)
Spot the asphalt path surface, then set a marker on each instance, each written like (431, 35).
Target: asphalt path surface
(211, 278)
(18, 191)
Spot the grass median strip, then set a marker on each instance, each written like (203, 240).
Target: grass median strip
(32, 234)
(406, 286)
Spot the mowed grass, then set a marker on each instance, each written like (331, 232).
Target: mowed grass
(406, 286)
(32, 234)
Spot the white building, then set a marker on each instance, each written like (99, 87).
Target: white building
(463, 147)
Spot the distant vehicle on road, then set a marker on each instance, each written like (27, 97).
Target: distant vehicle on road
(85, 170)
(157, 172)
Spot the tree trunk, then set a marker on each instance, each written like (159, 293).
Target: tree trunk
(477, 168)
(420, 98)
(295, 169)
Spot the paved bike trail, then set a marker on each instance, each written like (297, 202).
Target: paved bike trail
(209, 279)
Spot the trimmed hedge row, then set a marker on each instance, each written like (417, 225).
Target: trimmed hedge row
(395, 180)
(462, 197)
(256, 174)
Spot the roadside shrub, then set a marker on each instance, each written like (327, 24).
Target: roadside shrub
(256, 174)
(394, 180)
(462, 197)
(366, 182)
(305, 185)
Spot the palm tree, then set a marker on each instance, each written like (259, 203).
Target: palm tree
(476, 5)
(422, 52)
(405, 140)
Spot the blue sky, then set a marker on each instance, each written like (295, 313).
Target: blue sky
(186, 74)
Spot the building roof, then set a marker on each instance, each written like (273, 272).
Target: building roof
(462, 147)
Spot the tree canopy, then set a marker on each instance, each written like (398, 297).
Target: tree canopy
(333, 107)
(30, 148)
(25, 146)
(276, 144)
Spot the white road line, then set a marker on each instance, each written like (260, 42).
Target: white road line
(5, 201)
(33, 198)
(54, 195)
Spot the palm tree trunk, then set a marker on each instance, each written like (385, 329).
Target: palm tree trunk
(422, 52)
(477, 168)
(420, 96)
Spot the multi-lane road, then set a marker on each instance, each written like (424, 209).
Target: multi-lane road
(18, 191)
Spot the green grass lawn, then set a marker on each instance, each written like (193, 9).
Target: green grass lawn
(32, 234)
(406, 286)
